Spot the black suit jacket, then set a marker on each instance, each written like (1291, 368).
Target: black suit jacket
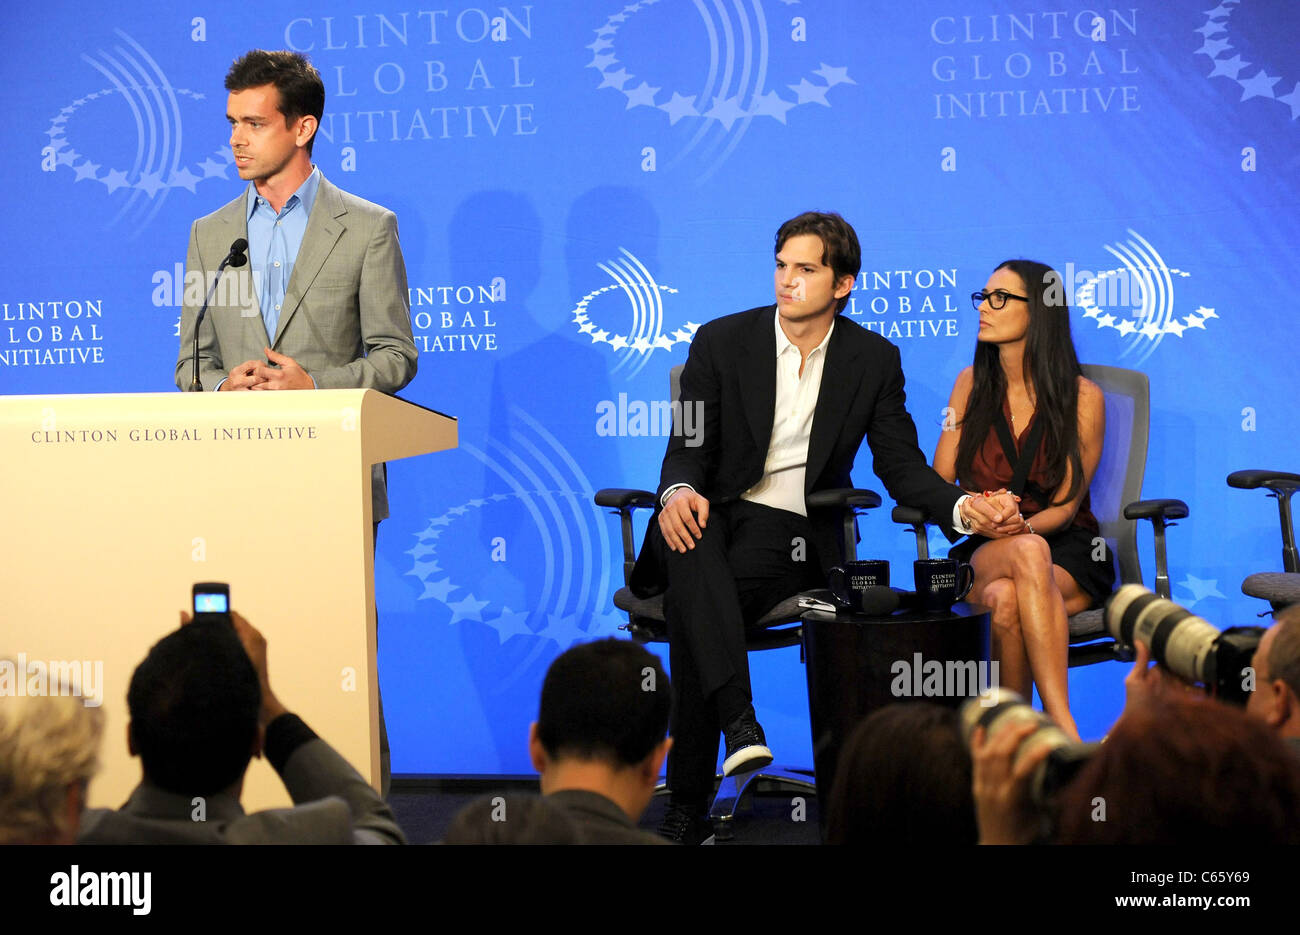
(731, 373)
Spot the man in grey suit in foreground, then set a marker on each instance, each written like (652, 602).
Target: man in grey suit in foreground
(201, 707)
(323, 301)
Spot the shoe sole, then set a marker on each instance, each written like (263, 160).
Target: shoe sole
(746, 760)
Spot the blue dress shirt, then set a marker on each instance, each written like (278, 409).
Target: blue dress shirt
(273, 243)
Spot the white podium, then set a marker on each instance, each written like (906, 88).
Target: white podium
(114, 505)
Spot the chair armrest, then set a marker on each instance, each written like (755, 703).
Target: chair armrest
(850, 501)
(623, 501)
(1280, 485)
(917, 519)
(1276, 481)
(909, 515)
(1158, 512)
(619, 498)
(844, 497)
(1153, 509)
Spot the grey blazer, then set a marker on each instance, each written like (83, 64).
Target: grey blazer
(336, 806)
(601, 821)
(346, 315)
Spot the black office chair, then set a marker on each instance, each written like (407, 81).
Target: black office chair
(1279, 588)
(779, 627)
(1115, 487)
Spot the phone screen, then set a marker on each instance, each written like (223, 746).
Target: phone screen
(211, 603)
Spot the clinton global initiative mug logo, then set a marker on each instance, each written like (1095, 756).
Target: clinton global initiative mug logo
(128, 134)
(529, 560)
(1218, 42)
(644, 311)
(1135, 298)
(735, 68)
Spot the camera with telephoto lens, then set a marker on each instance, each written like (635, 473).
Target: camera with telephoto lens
(1000, 709)
(1191, 648)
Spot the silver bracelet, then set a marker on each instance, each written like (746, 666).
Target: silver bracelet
(1029, 526)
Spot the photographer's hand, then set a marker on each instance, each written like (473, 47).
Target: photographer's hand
(1003, 809)
(255, 645)
(1145, 681)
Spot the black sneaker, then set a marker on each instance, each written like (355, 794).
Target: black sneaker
(683, 824)
(746, 746)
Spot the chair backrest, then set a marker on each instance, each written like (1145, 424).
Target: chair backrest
(1118, 480)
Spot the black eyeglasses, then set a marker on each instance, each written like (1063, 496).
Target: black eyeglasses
(997, 298)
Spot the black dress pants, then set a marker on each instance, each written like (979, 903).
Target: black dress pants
(750, 558)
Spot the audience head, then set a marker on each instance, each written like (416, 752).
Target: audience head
(904, 777)
(194, 704)
(1276, 698)
(606, 704)
(1184, 770)
(511, 819)
(840, 248)
(49, 749)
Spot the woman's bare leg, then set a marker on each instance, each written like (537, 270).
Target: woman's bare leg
(1027, 561)
(1008, 645)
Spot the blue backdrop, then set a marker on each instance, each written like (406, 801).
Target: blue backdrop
(580, 183)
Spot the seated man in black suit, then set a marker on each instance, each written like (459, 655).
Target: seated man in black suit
(201, 706)
(599, 738)
(782, 396)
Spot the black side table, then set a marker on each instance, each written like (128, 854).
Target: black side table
(856, 664)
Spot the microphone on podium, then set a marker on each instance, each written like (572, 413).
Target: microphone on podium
(235, 258)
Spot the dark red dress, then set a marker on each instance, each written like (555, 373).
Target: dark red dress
(1072, 547)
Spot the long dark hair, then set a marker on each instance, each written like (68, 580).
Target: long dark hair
(1051, 366)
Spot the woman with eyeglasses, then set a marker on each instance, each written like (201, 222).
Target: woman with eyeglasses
(1025, 419)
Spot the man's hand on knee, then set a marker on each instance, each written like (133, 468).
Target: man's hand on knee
(683, 518)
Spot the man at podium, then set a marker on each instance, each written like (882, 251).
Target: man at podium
(326, 305)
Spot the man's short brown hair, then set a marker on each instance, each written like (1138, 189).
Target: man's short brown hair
(302, 93)
(840, 249)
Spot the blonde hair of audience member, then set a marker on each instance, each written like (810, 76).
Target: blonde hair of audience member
(49, 749)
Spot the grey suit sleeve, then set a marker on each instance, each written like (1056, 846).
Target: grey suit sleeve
(390, 356)
(212, 369)
(315, 771)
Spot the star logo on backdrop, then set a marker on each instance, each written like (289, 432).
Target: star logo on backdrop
(731, 97)
(1142, 289)
(1200, 589)
(112, 178)
(477, 604)
(128, 135)
(645, 310)
(1253, 78)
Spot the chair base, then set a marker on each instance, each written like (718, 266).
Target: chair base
(1091, 653)
(732, 789)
